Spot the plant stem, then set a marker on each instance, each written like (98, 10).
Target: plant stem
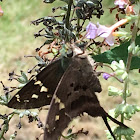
(128, 64)
(67, 22)
(68, 14)
(130, 55)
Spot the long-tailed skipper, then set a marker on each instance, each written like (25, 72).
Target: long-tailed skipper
(68, 85)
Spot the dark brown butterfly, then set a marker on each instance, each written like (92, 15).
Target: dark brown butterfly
(68, 85)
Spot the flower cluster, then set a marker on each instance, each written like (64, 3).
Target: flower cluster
(107, 33)
(121, 3)
(119, 71)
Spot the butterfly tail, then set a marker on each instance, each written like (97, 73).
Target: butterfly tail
(108, 126)
(115, 121)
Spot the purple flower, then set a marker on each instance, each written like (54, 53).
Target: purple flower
(91, 31)
(106, 76)
(121, 3)
(106, 32)
(114, 62)
(102, 31)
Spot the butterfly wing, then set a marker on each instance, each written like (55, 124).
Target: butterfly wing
(74, 95)
(39, 91)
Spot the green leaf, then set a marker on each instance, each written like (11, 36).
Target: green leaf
(134, 82)
(112, 91)
(90, 4)
(119, 53)
(23, 74)
(48, 1)
(34, 114)
(79, 11)
(48, 41)
(65, 8)
(63, 51)
(21, 86)
(4, 99)
(21, 115)
(27, 112)
(23, 79)
(127, 132)
(13, 136)
(127, 110)
(67, 1)
(41, 62)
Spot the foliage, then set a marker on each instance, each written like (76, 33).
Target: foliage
(119, 53)
(60, 32)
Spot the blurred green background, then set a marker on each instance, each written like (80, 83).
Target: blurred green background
(17, 40)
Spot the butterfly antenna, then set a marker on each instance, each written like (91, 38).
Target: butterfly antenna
(108, 126)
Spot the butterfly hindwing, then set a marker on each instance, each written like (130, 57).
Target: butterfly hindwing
(39, 91)
(74, 95)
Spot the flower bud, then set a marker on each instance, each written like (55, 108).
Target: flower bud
(137, 108)
(119, 72)
(113, 65)
(130, 49)
(124, 76)
(138, 53)
(54, 51)
(121, 64)
(136, 50)
(120, 34)
(106, 76)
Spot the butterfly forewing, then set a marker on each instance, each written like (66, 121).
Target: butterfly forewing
(39, 91)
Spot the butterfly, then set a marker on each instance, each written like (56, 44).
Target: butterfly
(68, 85)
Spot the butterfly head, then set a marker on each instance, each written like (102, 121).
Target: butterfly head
(76, 49)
